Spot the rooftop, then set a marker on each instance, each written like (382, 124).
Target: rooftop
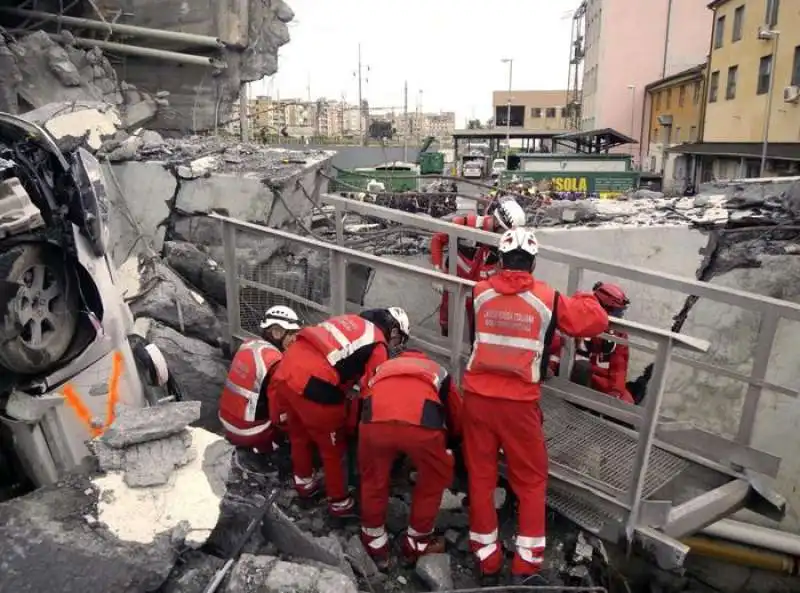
(512, 132)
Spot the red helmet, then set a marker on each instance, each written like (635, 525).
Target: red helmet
(611, 296)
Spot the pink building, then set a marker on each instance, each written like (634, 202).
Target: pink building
(631, 43)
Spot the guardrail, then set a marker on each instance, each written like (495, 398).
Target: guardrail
(772, 310)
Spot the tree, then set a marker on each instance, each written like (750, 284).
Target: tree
(474, 124)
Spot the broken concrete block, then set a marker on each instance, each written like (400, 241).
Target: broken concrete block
(193, 574)
(434, 570)
(46, 545)
(451, 501)
(397, 513)
(290, 539)
(152, 463)
(242, 196)
(333, 582)
(250, 573)
(63, 68)
(134, 426)
(91, 124)
(361, 561)
(173, 303)
(140, 112)
(200, 270)
(200, 369)
(288, 577)
(126, 151)
(187, 502)
(200, 167)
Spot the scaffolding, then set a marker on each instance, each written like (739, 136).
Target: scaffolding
(574, 82)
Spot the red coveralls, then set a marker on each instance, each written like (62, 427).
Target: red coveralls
(471, 263)
(514, 325)
(410, 407)
(244, 407)
(313, 379)
(608, 360)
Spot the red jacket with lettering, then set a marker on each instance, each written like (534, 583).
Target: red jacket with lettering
(413, 389)
(244, 409)
(472, 261)
(515, 319)
(327, 359)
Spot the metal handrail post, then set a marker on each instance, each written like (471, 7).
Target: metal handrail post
(647, 432)
(452, 269)
(574, 281)
(231, 280)
(763, 349)
(338, 273)
(457, 333)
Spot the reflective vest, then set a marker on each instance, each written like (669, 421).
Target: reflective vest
(511, 332)
(239, 402)
(340, 337)
(406, 390)
(597, 351)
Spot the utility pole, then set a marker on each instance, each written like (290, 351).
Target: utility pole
(308, 88)
(510, 62)
(775, 37)
(360, 103)
(405, 122)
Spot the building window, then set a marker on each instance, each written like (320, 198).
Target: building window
(551, 112)
(536, 112)
(658, 101)
(719, 32)
(669, 98)
(796, 67)
(697, 89)
(563, 113)
(764, 75)
(713, 87)
(677, 135)
(693, 134)
(682, 95)
(771, 17)
(738, 21)
(730, 89)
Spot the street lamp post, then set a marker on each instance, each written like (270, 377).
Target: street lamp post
(632, 89)
(768, 35)
(510, 63)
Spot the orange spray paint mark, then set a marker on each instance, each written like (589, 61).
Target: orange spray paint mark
(113, 388)
(81, 411)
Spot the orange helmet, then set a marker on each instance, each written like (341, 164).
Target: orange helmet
(611, 296)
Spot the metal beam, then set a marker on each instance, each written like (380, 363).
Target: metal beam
(132, 30)
(669, 553)
(693, 515)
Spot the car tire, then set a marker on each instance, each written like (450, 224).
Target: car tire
(41, 320)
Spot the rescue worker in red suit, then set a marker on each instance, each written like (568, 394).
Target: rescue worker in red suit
(475, 262)
(412, 408)
(515, 318)
(599, 363)
(244, 407)
(314, 378)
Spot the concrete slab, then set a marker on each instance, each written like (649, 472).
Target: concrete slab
(139, 514)
(240, 196)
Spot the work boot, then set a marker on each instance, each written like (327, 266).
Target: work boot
(343, 509)
(308, 490)
(415, 545)
(529, 580)
(254, 462)
(376, 543)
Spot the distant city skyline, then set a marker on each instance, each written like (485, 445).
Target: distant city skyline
(444, 50)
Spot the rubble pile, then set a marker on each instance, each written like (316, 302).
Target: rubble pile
(37, 69)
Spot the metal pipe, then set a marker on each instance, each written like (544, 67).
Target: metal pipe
(755, 535)
(741, 555)
(666, 39)
(510, 62)
(191, 38)
(147, 52)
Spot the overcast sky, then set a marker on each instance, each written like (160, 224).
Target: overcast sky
(449, 49)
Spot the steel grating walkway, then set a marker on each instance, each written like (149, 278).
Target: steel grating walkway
(592, 447)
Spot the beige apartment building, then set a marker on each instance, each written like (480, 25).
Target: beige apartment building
(753, 91)
(531, 110)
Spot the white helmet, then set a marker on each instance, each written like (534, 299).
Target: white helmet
(519, 238)
(509, 214)
(282, 316)
(401, 318)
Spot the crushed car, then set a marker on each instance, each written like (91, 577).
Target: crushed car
(68, 354)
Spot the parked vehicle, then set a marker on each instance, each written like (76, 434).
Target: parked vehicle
(473, 169)
(64, 325)
(498, 167)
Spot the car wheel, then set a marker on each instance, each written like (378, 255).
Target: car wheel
(41, 319)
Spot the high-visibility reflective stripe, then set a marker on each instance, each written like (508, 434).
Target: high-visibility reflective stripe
(374, 531)
(348, 347)
(530, 542)
(602, 365)
(257, 348)
(522, 343)
(379, 542)
(244, 432)
(483, 538)
(250, 396)
(343, 505)
(463, 264)
(298, 481)
(426, 365)
(528, 556)
(486, 551)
